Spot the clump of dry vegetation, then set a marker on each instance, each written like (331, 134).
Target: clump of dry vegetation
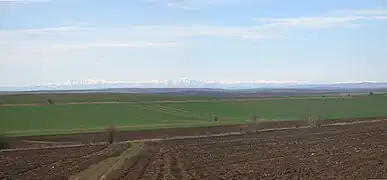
(313, 121)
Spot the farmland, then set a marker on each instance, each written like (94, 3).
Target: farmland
(93, 97)
(155, 113)
(354, 151)
(333, 151)
(54, 163)
(188, 144)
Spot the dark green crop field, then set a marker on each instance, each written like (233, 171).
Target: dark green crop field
(66, 118)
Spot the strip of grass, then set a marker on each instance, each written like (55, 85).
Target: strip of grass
(82, 117)
(362, 106)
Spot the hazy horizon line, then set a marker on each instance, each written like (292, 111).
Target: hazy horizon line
(184, 81)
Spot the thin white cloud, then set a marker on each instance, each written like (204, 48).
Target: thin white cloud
(72, 37)
(42, 31)
(47, 30)
(348, 18)
(190, 4)
(122, 45)
(183, 31)
(10, 2)
(43, 43)
(364, 12)
(142, 33)
(56, 29)
(23, 1)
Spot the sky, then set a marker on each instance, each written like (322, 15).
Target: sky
(316, 41)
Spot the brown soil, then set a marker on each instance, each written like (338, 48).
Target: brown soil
(27, 141)
(352, 151)
(355, 151)
(54, 163)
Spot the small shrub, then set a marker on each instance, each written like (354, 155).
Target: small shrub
(216, 118)
(50, 101)
(371, 94)
(257, 119)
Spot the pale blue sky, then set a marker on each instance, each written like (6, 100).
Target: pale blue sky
(319, 41)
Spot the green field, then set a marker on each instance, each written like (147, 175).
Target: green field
(55, 119)
(93, 97)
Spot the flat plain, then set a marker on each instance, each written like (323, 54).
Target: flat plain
(178, 138)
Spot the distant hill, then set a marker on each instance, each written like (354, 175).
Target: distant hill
(205, 89)
(260, 92)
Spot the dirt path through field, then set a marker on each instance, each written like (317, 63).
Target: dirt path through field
(102, 170)
(183, 101)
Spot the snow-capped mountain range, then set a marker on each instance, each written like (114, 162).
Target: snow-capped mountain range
(189, 83)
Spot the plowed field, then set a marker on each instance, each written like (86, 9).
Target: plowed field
(287, 150)
(354, 151)
(53, 163)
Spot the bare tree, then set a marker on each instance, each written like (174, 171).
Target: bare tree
(111, 131)
(4, 144)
